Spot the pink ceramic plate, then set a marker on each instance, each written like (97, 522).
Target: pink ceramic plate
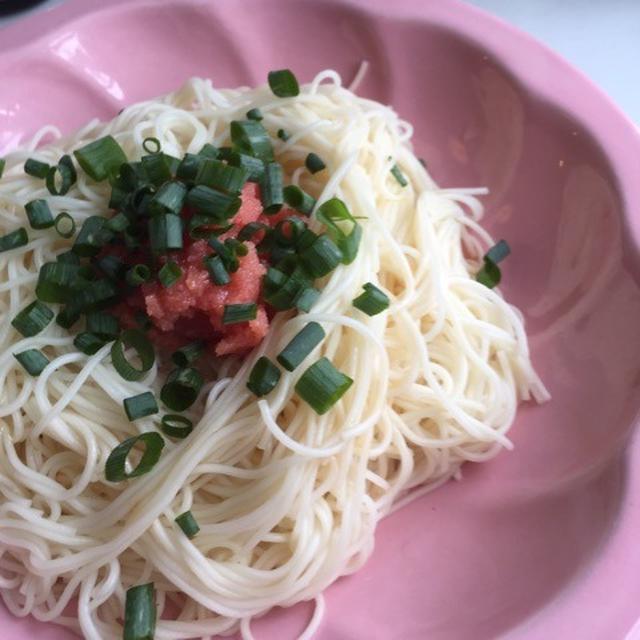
(542, 542)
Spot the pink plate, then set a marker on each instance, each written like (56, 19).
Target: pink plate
(541, 543)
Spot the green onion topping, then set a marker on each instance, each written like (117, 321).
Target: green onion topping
(283, 135)
(151, 145)
(32, 319)
(322, 385)
(169, 274)
(137, 340)
(263, 377)
(61, 177)
(399, 176)
(176, 426)
(140, 406)
(181, 389)
(188, 524)
(33, 361)
(165, 233)
(64, 225)
(322, 257)
(36, 168)
(138, 274)
(297, 199)
(104, 325)
(301, 345)
(14, 239)
(283, 83)
(372, 301)
(39, 214)
(169, 198)
(235, 313)
(140, 613)
(314, 163)
(217, 271)
(250, 137)
(490, 274)
(271, 189)
(101, 158)
(188, 354)
(88, 343)
(254, 114)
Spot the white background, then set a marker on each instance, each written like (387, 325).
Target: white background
(601, 37)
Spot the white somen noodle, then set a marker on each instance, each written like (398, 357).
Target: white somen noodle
(287, 500)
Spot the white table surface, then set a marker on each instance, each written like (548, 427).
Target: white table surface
(601, 37)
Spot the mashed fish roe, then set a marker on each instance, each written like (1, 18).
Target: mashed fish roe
(192, 308)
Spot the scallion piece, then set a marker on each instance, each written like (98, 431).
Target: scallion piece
(68, 317)
(119, 223)
(140, 613)
(88, 343)
(322, 257)
(314, 163)
(250, 137)
(249, 230)
(301, 345)
(151, 145)
(396, 172)
(140, 406)
(112, 267)
(254, 114)
(210, 202)
(138, 274)
(169, 198)
(3, 163)
(263, 377)
(281, 294)
(69, 257)
(254, 167)
(165, 233)
(188, 354)
(14, 239)
(209, 151)
(188, 167)
(64, 225)
(188, 524)
(137, 340)
(93, 235)
(283, 135)
(99, 294)
(489, 275)
(115, 467)
(169, 274)
(335, 215)
(36, 168)
(39, 214)
(101, 158)
(104, 325)
(305, 299)
(32, 360)
(157, 168)
(221, 176)
(271, 189)
(373, 301)
(217, 271)
(176, 426)
(235, 313)
(32, 319)
(61, 177)
(283, 83)
(498, 252)
(322, 385)
(181, 388)
(297, 199)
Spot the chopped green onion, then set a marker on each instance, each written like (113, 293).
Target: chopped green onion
(101, 158)
(422, 162)
(332, 213)
(33, 361)
(281, 290)
(3, 163)
(209, 151)
(151, 145)
(314, 163)
(93, 235)
(140, 613)
(169, 198)
(271, 189)
(188, 354)
(39, 214)
(138, 274)
(165, 233)
(68, 176)
(68, 317)
(489, 275)
(32, 319)
(305, 299)
(69, 257)
(104, 325)
(254, 114)
(249, 230)
(14, 239)
(65, 225)
(263, 377)
(115, 470)
(296, 198)
(301, 345)
(59, 281)
(288, 232)
(235, 313)
(176, 426)
(112, 267)
(217, 271)
(399, 176)
(322, 257)
(220, 206)
(157, 167)
(118, 223)
(188, 167)
(99, 294)
(322, 385)
(169, 274)
(188, 524)
(228, 252)
(372, 301)
(140, 406)
(283, 83)
(220, 176)
(181, 389)
(250, 137)
(88, 342)
(253, 167)
(137, 340)
(498, 252)
(283, 135)
(36, 168)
